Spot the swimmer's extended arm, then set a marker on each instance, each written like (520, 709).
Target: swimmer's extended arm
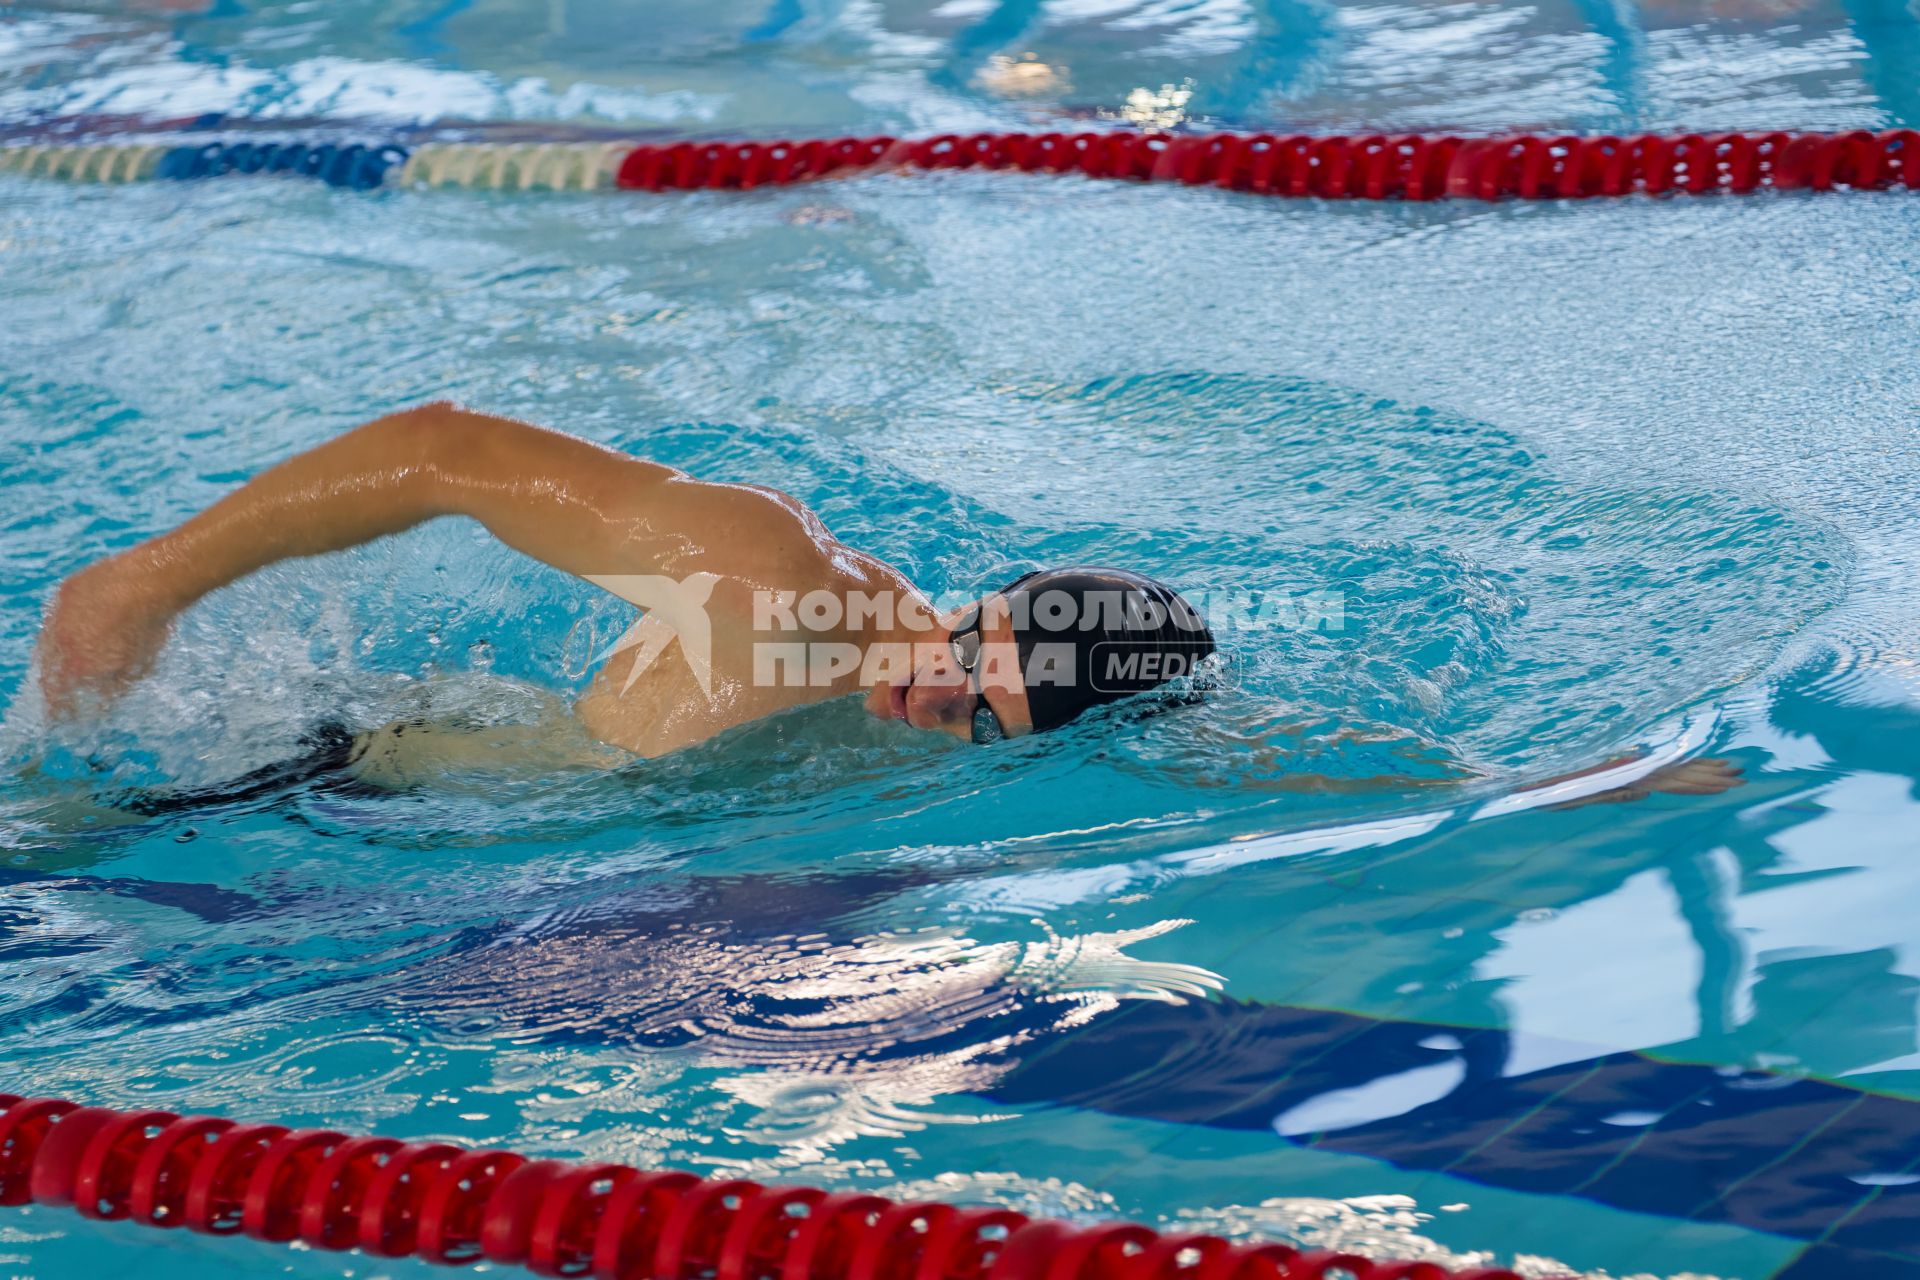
(559, 499)
(574, 505)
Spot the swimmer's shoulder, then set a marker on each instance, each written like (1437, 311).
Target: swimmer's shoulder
(761, 532)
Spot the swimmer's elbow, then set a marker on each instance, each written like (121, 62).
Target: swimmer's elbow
(433, 447)
(433, 431)
(505, 473)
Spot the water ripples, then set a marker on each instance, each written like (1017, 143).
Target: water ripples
(1563, 511)
(1265, 64)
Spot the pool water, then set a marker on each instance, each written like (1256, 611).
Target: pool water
(1587, 480)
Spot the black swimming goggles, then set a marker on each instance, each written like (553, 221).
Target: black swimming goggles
(965, 643)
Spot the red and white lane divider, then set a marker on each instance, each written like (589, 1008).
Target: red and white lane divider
(445, 1204)
(1368, 167)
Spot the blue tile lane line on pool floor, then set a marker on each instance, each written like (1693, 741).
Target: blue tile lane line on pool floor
(1793, 1158)
(1790, 1157)
(1776, 1154)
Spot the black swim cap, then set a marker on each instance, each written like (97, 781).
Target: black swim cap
(1090, 636)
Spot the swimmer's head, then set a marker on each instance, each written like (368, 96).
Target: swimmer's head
(1043, 649)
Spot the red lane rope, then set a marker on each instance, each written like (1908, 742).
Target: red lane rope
(1371, 167)
(449, 1205)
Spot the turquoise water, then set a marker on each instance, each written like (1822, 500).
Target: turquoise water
(1592, 479)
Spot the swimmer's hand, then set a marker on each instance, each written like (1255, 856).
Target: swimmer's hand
(104, 630)
(1705, 776)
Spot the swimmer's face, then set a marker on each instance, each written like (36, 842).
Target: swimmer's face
(938, 695)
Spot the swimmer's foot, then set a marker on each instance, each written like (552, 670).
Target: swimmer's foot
(1705, 776)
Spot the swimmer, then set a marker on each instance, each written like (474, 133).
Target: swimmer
(715, 568)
